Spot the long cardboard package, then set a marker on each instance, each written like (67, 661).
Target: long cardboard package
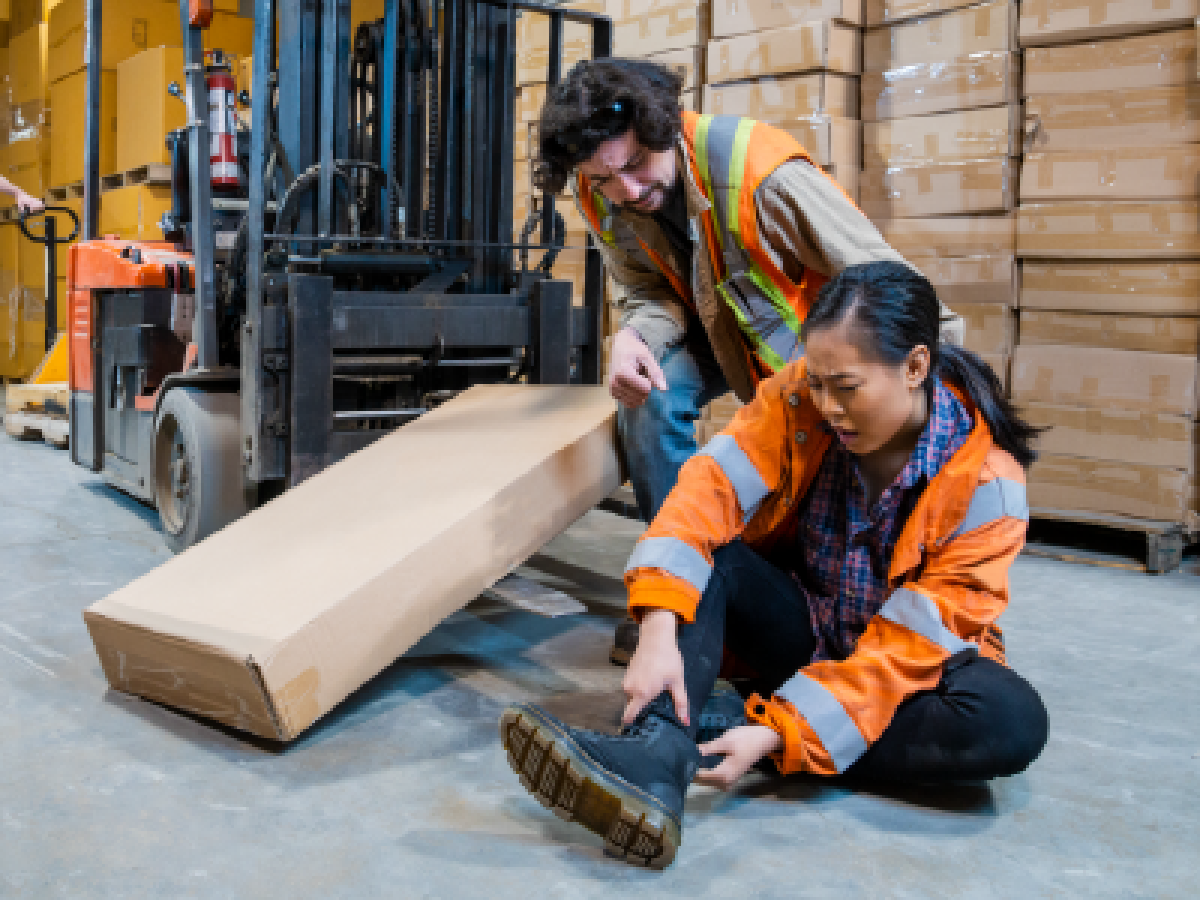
(940, 189)
(988, 27)
(1063, 21)
(965, 82)
(810, 47)
(1162, 172)
(1157, 334)
(951, 235)
(770, 99)
(945, 137)
(1145, 288)
(1150, 60)
(1120, 379)
(1132, 117)
(888, 12)
(270, 623)
(642, 27)
(1117, 435)
(970, 279)
(1121, 488)
(1105, 230)
(730, 17)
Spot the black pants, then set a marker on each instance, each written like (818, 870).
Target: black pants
(982, 721)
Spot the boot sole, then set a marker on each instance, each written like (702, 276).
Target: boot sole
(635, 826)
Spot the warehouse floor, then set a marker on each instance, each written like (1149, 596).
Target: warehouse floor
(404, 790)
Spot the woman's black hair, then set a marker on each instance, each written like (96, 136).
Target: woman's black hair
(891, 309)
(597, 101)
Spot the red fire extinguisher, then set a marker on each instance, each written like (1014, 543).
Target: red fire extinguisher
(221, 115)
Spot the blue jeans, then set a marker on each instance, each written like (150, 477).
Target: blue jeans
(660, 435)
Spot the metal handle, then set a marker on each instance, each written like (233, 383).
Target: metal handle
(50, 238)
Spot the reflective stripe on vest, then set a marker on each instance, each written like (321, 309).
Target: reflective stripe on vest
(918, 613)
(996, 499)
(673, 556)
(824, 712)
(748, 484)
(763, 312)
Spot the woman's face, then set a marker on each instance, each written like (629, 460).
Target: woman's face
(865, 401)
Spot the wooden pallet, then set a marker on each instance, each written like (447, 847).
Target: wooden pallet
(65, 192)
(150, 174)
(1109, 540)
(27, 426)
(9, 214)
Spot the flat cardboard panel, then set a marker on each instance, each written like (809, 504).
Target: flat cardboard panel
(951, 235)
(1094, 485)
(133, 212)
(829, 140)
(1151, 60)
(771, 99)
(967, 280)
(1164, 172)
(938, 189)
(1117, 435)
(1157, 334)
(1063, 21)
(270, 623)
(985, 28)
(145, 111)
(888, 12)
(1122, 287)
(1105, 230)
(813, 46)
(745, 16)
(946, 137)
(965, 82)
(643, 27)
(68, 99)
(27, 66)
(1120, 379)
(1135, 117)
(990, 327)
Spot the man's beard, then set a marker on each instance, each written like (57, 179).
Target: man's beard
(636, 205)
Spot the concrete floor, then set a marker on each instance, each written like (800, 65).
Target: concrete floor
(404, 790)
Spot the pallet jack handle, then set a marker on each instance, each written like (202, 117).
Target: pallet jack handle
(48, 237)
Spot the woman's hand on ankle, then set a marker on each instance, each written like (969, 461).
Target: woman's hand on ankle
(656, 666)
(742, 748)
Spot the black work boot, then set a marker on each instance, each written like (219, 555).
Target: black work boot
(625, 641)
(628, 787)
(724, 709)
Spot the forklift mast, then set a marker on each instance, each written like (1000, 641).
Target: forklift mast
(362, 271)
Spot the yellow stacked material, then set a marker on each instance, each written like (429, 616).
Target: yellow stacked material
(23, 338)
(145, 111)
(27, 65)
(128, 26)
(133, 212)
(27, 162)
(68, 101)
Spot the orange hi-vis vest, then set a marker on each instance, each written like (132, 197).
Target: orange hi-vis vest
(729, 158)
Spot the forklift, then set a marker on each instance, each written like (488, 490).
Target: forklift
(339, 268)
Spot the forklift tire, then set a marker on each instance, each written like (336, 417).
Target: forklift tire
(198, 479)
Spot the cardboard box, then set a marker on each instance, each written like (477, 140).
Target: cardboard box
(643, 27)
(1063, 21)
(1169, 289)
(847, 178)
(688, 62)
(1117, 435)
(732, 17)
(24, 14)
(128, 27)
(968, 280)
(1105, 230)
(772, 99)
(232, 34)
(28, 160)
(1156, 334)
(946, 137)
(270, 623)
(1165, 172)
(145, 111)
(989, 328)
(813, 46)
(1125, 489)
(528, 103)
(1118, 379)
(951, 235)
(830, 141)
(1136, 117)
(68, 99)
(888, 12)
(966, 82)
(1151, 60)
(27, 66)
(533, 42)
(937, 189)
(133, 212)
(999, 364)
(988, 27)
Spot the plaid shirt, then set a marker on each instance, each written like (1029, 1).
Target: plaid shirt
(845, 548)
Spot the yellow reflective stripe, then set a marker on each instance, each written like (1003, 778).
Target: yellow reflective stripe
(737, 172)
(603, 215)
(700, 148)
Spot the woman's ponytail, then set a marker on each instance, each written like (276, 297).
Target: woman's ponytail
(959, 366)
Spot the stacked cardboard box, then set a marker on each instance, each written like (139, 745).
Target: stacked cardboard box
(715, 416)
(941, 146)
(1110, 248)
(795, 66)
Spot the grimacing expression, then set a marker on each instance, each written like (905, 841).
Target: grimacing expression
(629, 175)
(867, 402)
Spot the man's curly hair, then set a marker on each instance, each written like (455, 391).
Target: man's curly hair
(651, 91)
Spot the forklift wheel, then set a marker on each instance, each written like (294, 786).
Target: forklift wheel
(198, 479)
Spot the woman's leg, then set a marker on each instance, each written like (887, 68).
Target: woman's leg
(982, 721)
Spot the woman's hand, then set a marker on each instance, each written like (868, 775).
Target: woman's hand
(656, 666)
(742, 748)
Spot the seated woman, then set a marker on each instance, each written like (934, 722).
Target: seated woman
(848, 539)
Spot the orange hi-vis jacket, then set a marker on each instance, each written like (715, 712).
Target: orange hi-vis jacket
(729, 158)
(948, 575)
